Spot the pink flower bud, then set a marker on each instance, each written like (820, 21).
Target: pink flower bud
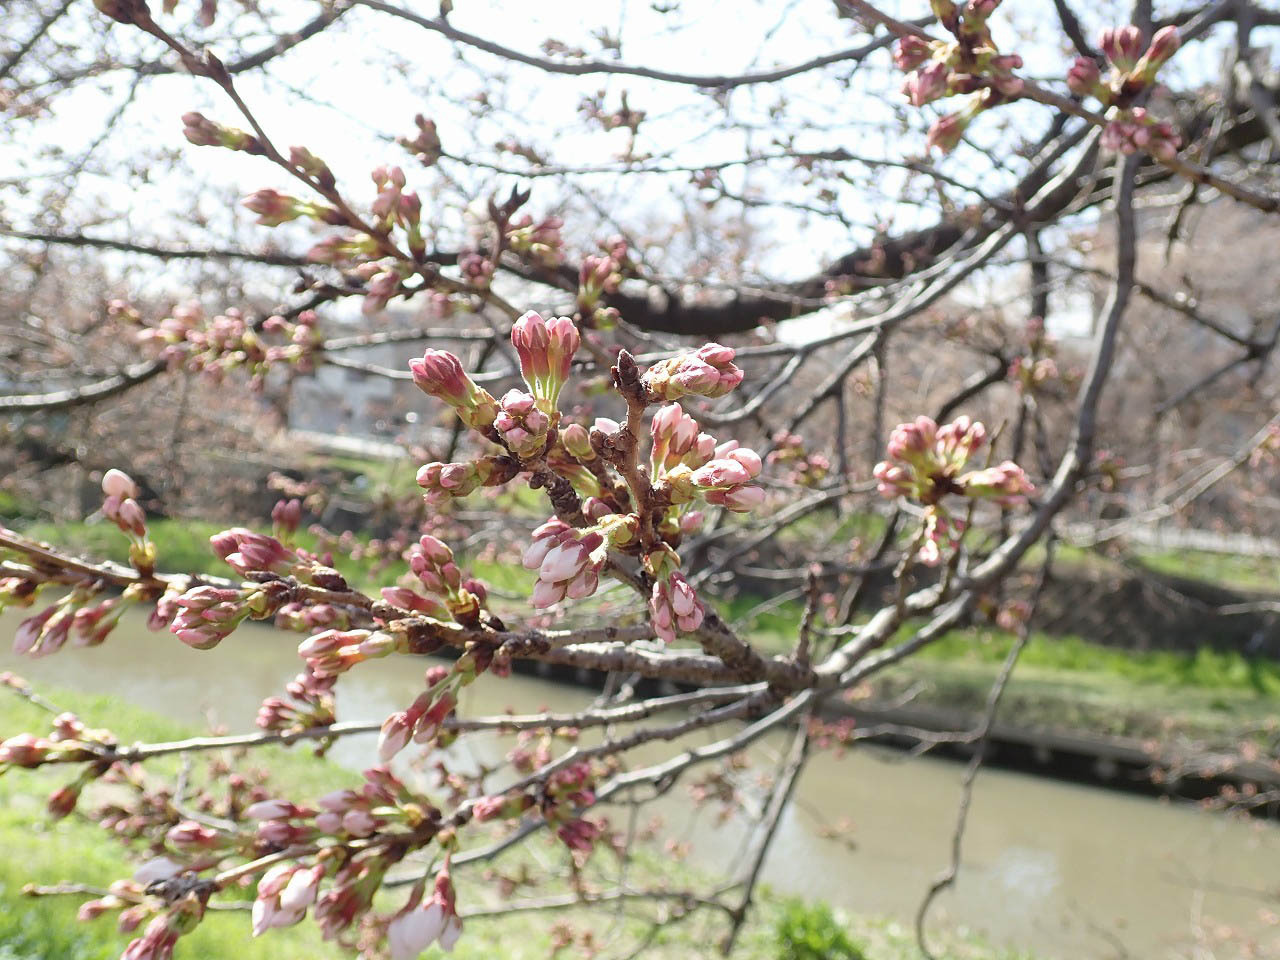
(926, 84)
(1084, 78)
(440, 374)
(116, 483)
(910, 51)
(1122, 46)
(708, 372)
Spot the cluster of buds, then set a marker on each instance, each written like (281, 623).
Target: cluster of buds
(598, 277)
(214, 347)
(1134, 66)
(723, 481)
(568, 562)
(443, 481)
(423, 719)
(78, 616)
(431, 561)
(424, 922)
(678, 441)
(688, 463)
(425, 144)
(439, 374)
(1030, 374)
(250, 553)
(538, 242)
(310, 704)
(69, 741)
(925, 464)
(522, 425)
(334, 652)
(284, 894)
(120, 506)
(203, 132)
(1134, 130)
(806, 469)
(707, 372)
(350, 896)
(545, 349)
(674, 607)
(565, 795)
(207, 615)
(968, 64)
(48, 631)
(164, 931)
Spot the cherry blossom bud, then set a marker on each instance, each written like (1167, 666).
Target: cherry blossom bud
(577, 441)
(205, 133)
(910, 52)
(945, 133)
(272, 810)
(406, 599)
(708, 372)
(24, 750)
(522, 424)
(926, 84)
(1164, 45)
(440, 374)
(674, 606)
(1084, 78)
(579, 835)
(286, 515)
(192, 836)
(1122, 46)
(274, 208)
(117, 483)
(63, 801)
(1005, 483)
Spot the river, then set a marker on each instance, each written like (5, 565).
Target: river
(1060, 869)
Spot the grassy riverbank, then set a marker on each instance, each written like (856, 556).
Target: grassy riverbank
(75, 850)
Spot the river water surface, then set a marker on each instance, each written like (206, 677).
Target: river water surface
(1064, 870)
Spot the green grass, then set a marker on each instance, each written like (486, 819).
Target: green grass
(1206, 668)
(1224, 569)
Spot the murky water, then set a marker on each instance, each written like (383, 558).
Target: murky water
(1065, 870)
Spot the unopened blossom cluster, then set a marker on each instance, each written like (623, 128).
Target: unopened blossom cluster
(970, 64)
(600, 463)
(309, 703)
(120, 505)
(559, 801)
(538, 241)
(431, 561)
(805, 469)
(82, 615)
(1133, 68)
(599, 276)
(189, 339)
(927, 464)
(68, 741)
